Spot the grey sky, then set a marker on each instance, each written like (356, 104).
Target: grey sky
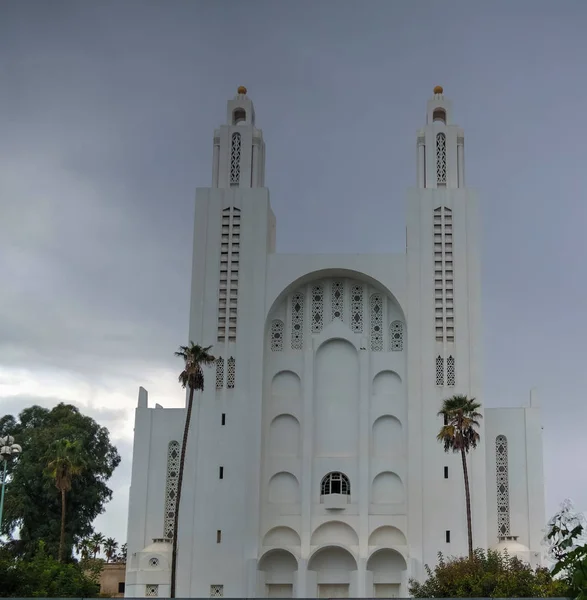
(107, 111)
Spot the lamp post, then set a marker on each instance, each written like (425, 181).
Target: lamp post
(8, 449)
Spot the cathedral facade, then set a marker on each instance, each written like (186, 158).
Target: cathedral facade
(312, 466)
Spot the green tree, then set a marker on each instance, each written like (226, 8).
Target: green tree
(43, 576)
(32, 508)
(458, 434)
(110, 548)
(487, 575)
(65, 462)
(192, 378)
(567, 541)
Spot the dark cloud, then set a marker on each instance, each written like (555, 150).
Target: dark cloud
(107, 113)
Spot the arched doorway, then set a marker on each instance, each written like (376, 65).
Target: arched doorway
(334, 568)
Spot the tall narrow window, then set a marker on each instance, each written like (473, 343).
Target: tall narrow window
(235, 159)
(219, 373)
(503, 486)
(396, 336)
(218, 536)
(229, 274)
(447, 536)
(223, 419)
(173, 454)
(439, 370)
(446, 472)
(297, 321)
(357, 308)
(440, 159)
(337, 299)
(231, 373)
(317, 308)
(276, 335)
(221, 473)
(450, 371)
(376, 317)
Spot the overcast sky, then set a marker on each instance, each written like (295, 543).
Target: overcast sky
(107, 112)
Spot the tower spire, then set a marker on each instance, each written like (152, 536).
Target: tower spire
(441, 157)
(239, 150)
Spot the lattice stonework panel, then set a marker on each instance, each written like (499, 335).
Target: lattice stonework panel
(173, 452)
(503, 488)
(235, 159)
(396, 336)
(439, 370)
(276, 335)
(440, 158)
(450, 371)
(219, 373)
(317, 308)
(337, 300)
(444, 320)
(151, 590)
(230, 373)
(376, 318)
(229, 274)
(297, 321)
(357, 308)
(216, 591)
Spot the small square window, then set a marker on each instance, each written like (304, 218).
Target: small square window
(216, 591)
(152, 590)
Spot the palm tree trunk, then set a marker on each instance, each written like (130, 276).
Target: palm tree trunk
(468, 503)
(62, 536)
(178, 497)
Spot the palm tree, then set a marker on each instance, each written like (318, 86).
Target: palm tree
(458, 434)
(191, 377)
(65, 462)
(96, 542)
(83, 547)
(110, 548)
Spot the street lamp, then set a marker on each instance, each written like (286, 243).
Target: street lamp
(8, 450)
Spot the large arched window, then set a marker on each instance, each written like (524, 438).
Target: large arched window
(335, 483)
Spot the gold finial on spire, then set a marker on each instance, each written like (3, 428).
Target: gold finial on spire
(438, 89)
(242, 90)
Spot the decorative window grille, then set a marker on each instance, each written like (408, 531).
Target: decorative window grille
(219, 373)
(276, 335)
(439, 370)
(444, 325)
(173, 454)
(216, 591)
(229, 274)
(357, 308)
(297, 321)
(230, 373)
(335, 483)
(235, 159)
(396, 336)
(440, 159)
(337, 299)
(151, 590)
(376, 316)
(502, 480)
(317, 308)
(450, 370)
(154, 562)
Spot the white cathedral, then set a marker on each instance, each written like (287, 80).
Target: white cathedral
(312, 466)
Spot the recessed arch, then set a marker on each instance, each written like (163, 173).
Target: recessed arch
(386, 383)
(388, 567)
(284, 436)
(439, 115)
(388, 536)
(291, 285)
(286, 383)
(334, 532)
(284, 488)
(238, 115)
(278, 568)
(333, 566)
(281, 536)
(387, 438)
(387, 488)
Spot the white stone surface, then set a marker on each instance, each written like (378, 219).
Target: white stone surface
(354, 390)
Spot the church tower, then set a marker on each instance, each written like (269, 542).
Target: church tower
(233, 237)
(444, 335)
